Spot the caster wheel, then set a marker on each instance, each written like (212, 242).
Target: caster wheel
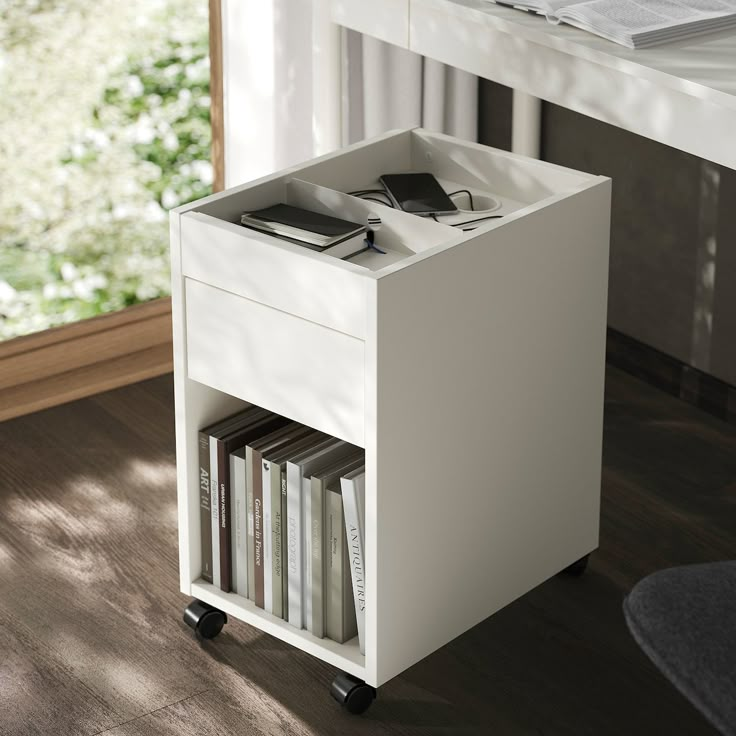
(577, 568)
(206, 621)
(353, 694)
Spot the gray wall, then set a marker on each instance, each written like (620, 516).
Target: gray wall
(673, 232)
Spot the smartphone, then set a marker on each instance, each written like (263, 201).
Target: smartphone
(419, 194)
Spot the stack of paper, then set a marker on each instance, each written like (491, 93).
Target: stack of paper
(637, 24)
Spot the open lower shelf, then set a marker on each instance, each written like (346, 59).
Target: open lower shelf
(346, 656)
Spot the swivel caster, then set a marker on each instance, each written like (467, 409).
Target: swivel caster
(353, 694)
(206, 620)
(577, 568)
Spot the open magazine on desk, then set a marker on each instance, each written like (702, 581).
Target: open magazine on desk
(636, 23)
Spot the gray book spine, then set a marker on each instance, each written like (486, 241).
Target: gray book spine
(205, 513)
(277, 607)
(349, 620)
(341, 624)
(250, 530)
(316, 527)
(294, 546)
(307, 553)
(215, 508)
(333, 566)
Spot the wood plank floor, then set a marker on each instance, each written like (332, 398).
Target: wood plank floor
(92, 639)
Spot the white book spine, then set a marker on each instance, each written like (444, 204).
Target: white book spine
(238, 520)
(319, 571)
(267, 540)
(306, 487)
(294, 543)
(277, 548)
(353, 498)
(215, 506)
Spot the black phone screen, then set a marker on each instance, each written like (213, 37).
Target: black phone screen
(420, 194)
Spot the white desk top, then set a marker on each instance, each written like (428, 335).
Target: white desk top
(682, 94)
(704, 66)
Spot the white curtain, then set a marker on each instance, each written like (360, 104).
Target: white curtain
(277, 94)
(387, 87)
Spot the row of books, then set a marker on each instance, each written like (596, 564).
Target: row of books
(281, 511)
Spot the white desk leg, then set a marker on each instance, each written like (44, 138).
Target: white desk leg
(249, 74)
(326, 80)
(526, 124)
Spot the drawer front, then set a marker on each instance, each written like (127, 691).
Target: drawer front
(387, 20)
(288, 365)
(303, 283)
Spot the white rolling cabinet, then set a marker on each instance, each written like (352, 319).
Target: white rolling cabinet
(468, 364)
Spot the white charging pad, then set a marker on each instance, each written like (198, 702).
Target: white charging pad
(483, 204)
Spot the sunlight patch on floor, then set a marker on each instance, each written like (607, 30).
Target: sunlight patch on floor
(152, 474)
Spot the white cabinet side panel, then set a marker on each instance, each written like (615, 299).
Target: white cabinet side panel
(288, 365)
(195, 406)
(489, 407)
(187, 505)
(371, 495)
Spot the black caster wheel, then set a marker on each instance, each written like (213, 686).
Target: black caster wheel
(206, 620)
(353, 694)
(577, 568)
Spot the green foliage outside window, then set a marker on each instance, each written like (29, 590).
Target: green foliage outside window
(101, 136)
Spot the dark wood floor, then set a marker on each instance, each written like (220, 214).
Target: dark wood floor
(92, 640)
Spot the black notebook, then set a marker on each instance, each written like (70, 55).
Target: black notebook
(312, 229)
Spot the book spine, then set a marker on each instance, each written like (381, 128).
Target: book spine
(318, 594)
(333, 567)
(215, 507)
(260, 597)
(233, 527)
(277, 567)
(349, 618)
(223, 482)
(341, 625)
(238, 523)
(267, 538)
(306, 491)
(205, 513)
(294, 544)
(284, 547)
(356, 557)
(250, 532)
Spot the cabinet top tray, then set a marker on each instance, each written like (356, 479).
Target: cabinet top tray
(218, 251)
(504, 186)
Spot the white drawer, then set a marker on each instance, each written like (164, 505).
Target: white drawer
(275, 273)
(294, 367)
